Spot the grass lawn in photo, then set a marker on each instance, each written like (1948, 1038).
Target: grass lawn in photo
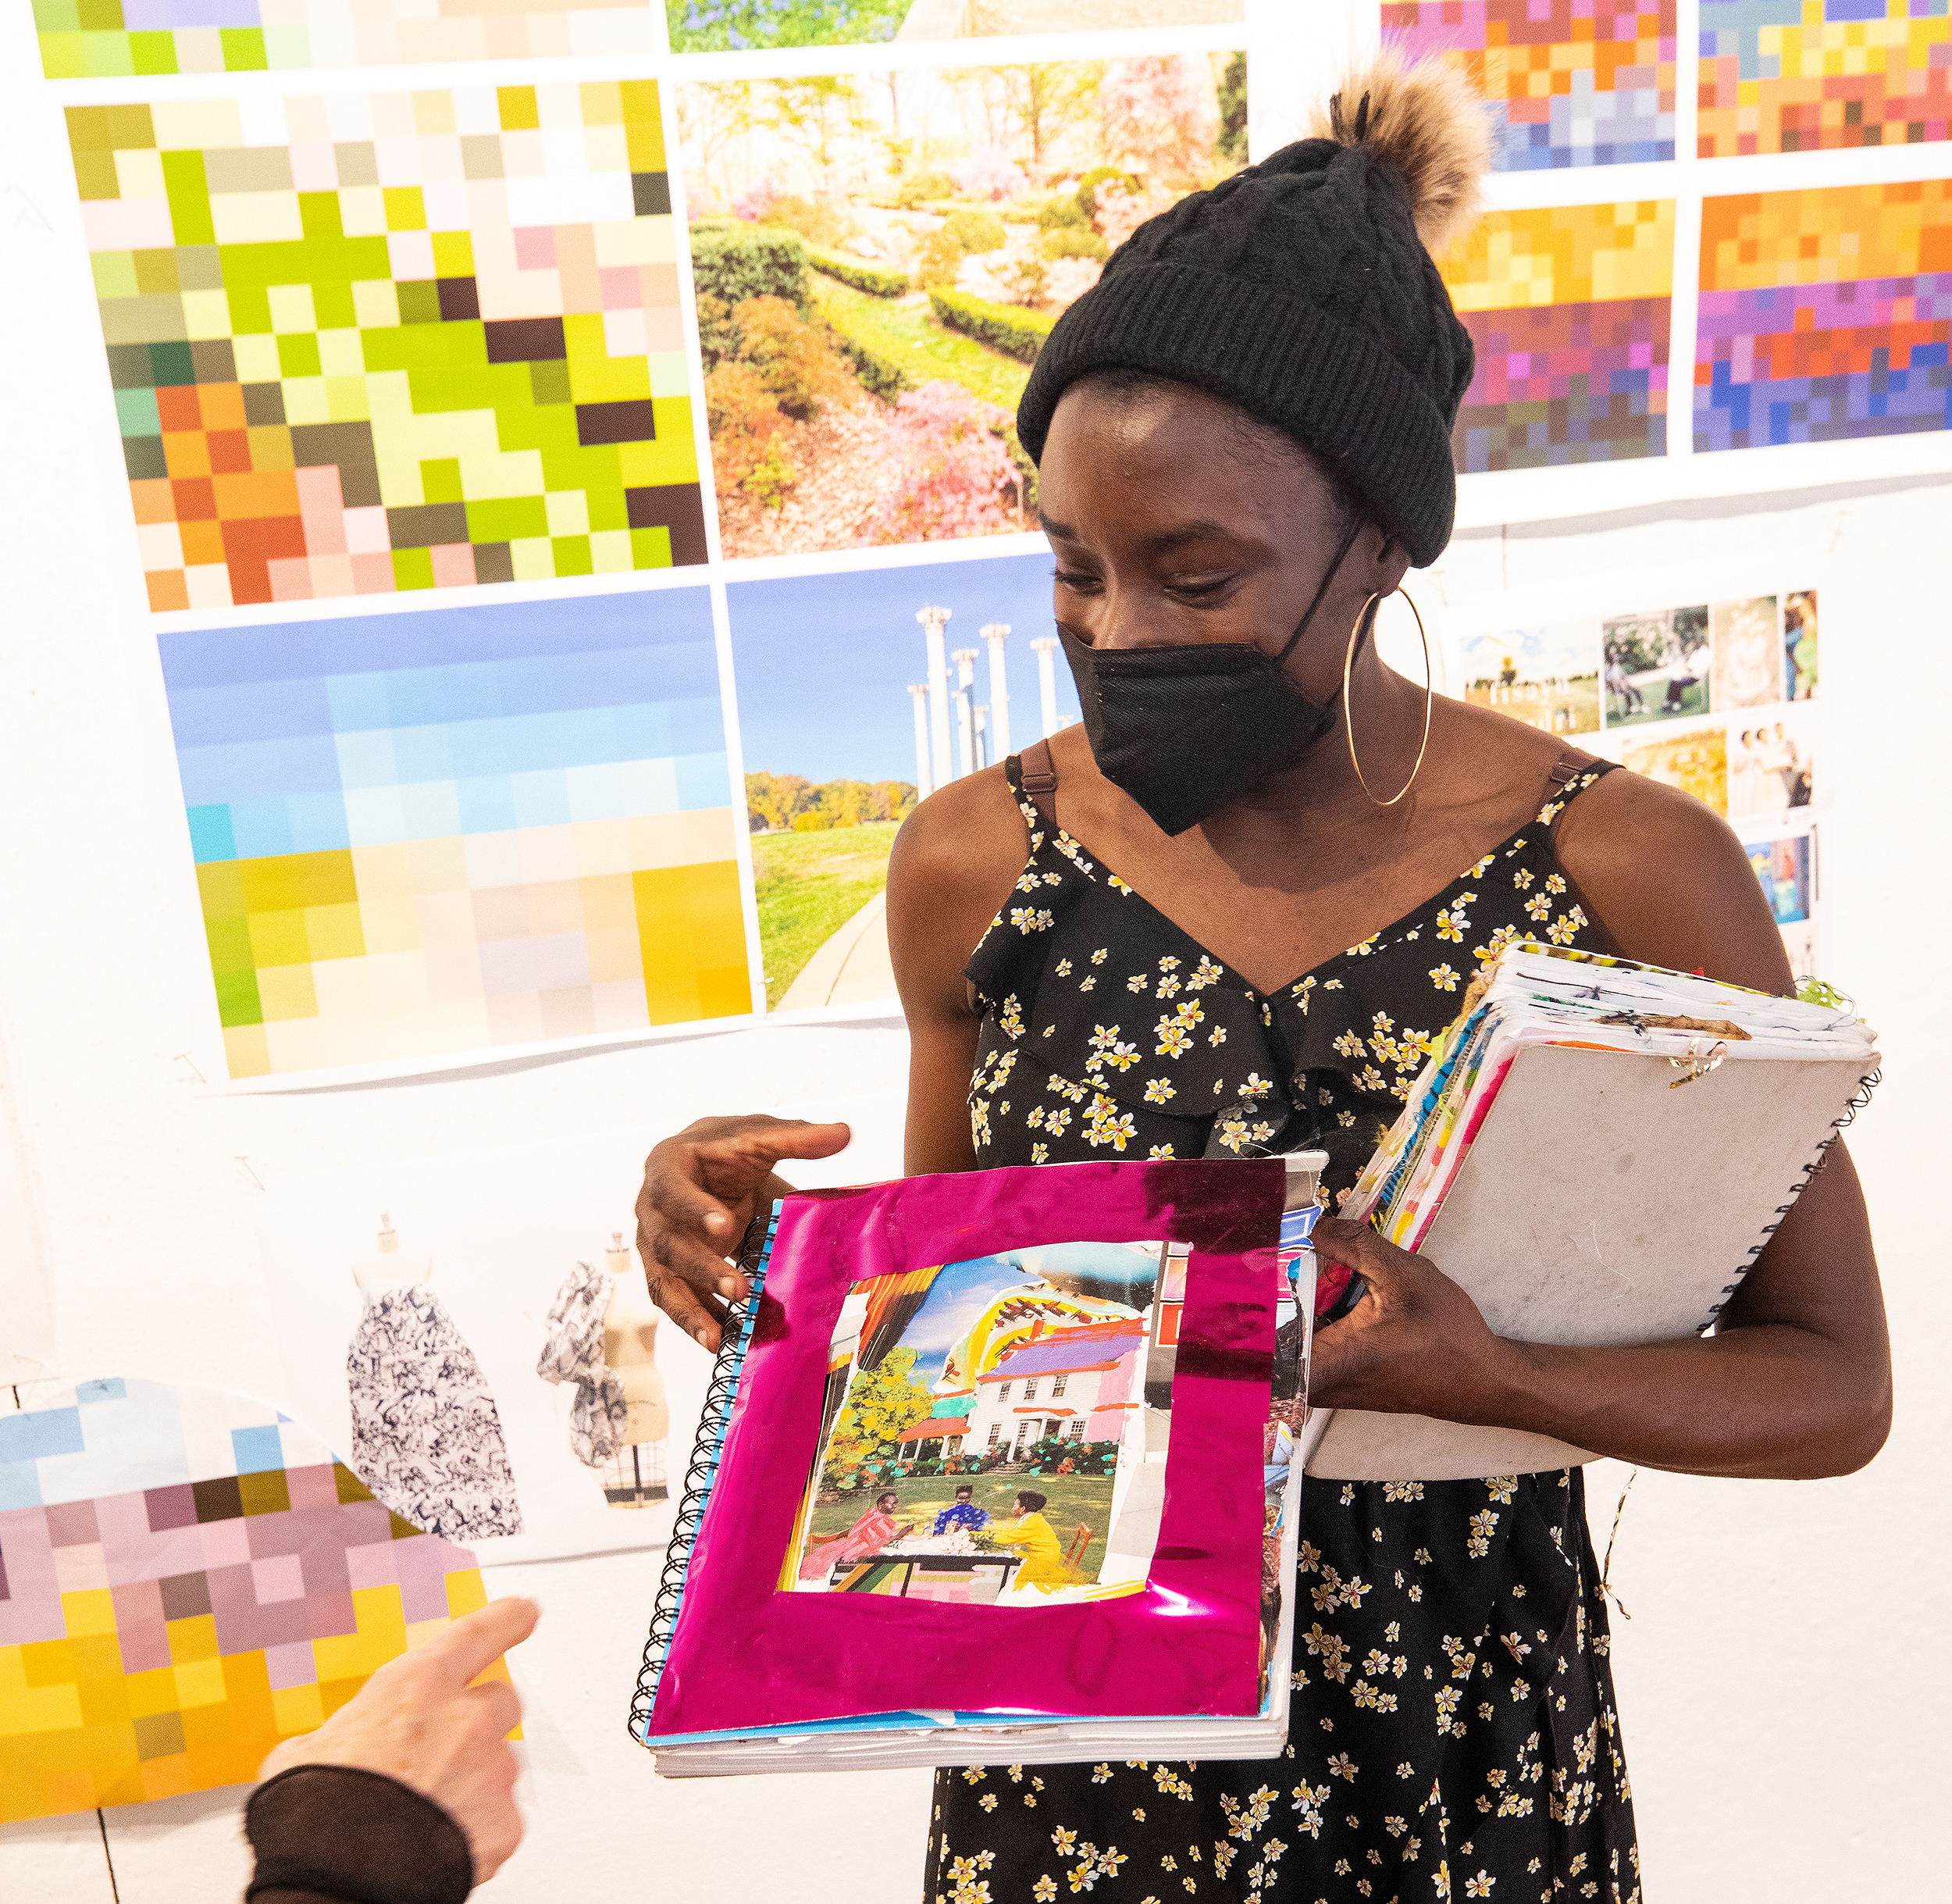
(808, 884)
(907, 333)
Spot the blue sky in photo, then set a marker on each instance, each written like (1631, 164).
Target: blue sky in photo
(823, 662)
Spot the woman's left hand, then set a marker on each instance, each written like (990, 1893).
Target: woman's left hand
(1415, 1344)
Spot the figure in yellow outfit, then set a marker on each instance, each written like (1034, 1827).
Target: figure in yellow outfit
(1043, 1567)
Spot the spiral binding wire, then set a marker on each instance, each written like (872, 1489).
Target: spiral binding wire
(755, 1251)
(1860, 1099)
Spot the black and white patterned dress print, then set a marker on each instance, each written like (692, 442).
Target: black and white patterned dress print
(426, 1436)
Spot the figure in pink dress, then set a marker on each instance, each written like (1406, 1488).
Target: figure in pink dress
(868, 1536)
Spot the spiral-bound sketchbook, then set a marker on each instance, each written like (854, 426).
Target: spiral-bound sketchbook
(1597, 1153)
(998, 1462)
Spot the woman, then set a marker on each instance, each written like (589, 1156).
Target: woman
(1255, 867)
(1043, 1567)
(868, 1536)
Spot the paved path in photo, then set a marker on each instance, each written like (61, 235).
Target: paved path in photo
(853, 968)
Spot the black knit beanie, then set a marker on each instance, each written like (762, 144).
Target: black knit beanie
(1301, 289)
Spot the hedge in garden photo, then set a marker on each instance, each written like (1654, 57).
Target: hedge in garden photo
(1006, 327)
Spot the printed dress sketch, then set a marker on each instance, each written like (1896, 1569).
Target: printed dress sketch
(426, 1437)
(602, 1341)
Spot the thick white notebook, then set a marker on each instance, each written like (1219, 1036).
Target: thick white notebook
(1600, 1206)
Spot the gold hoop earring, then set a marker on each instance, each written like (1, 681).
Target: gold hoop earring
(1348, 718)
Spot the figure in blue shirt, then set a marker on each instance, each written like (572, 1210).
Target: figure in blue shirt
(964, 1513)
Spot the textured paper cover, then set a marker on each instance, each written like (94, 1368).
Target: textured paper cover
(1600, 1207)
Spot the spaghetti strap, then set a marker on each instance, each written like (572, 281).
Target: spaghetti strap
(1038, 775)
(1572, 772)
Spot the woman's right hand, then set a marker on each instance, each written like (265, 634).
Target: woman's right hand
(702, 1188)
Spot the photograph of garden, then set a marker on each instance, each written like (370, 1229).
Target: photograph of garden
(735, 26)
(879, 256)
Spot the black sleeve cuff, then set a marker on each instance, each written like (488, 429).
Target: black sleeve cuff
(332, 1832)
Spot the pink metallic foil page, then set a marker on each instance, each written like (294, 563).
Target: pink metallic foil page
(746, 1656)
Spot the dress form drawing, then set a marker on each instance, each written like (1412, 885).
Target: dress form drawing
(636, 1477)
(389, 1265)
(426, 1435)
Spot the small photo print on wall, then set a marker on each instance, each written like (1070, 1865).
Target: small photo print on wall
(1548, 677)
(879, 255)
(859, 694)
(1747, 651)
(1799, 646)
(1782, 869)
(1695, 761)
(1799, 942)
(1772, 764)
(1657, 666)
(736, 26)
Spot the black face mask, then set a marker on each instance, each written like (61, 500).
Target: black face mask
(1184, 729)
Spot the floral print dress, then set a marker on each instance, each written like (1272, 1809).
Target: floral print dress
(1453, 1733)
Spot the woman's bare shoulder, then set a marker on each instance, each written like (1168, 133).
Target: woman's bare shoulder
(1668, 881)
(968, 834)
(955, 861)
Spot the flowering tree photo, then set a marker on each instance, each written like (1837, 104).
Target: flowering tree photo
(912, 235)
(954, 477)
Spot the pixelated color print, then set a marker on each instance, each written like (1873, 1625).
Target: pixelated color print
(461, 827)
(1824, 316)
(187, 1578)
(1804, 75)
(95, 38)
(1568, 82)
(1568, 307)
(367, 343)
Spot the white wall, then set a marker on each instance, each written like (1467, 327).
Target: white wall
(1784, 1672)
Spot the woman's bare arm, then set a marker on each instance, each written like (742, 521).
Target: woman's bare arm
(1796, 1381)
(954, 862)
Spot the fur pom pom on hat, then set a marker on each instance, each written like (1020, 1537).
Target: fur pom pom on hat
(1303, 290)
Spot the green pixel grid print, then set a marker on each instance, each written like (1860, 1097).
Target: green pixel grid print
(94, 39)
(371, 342)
